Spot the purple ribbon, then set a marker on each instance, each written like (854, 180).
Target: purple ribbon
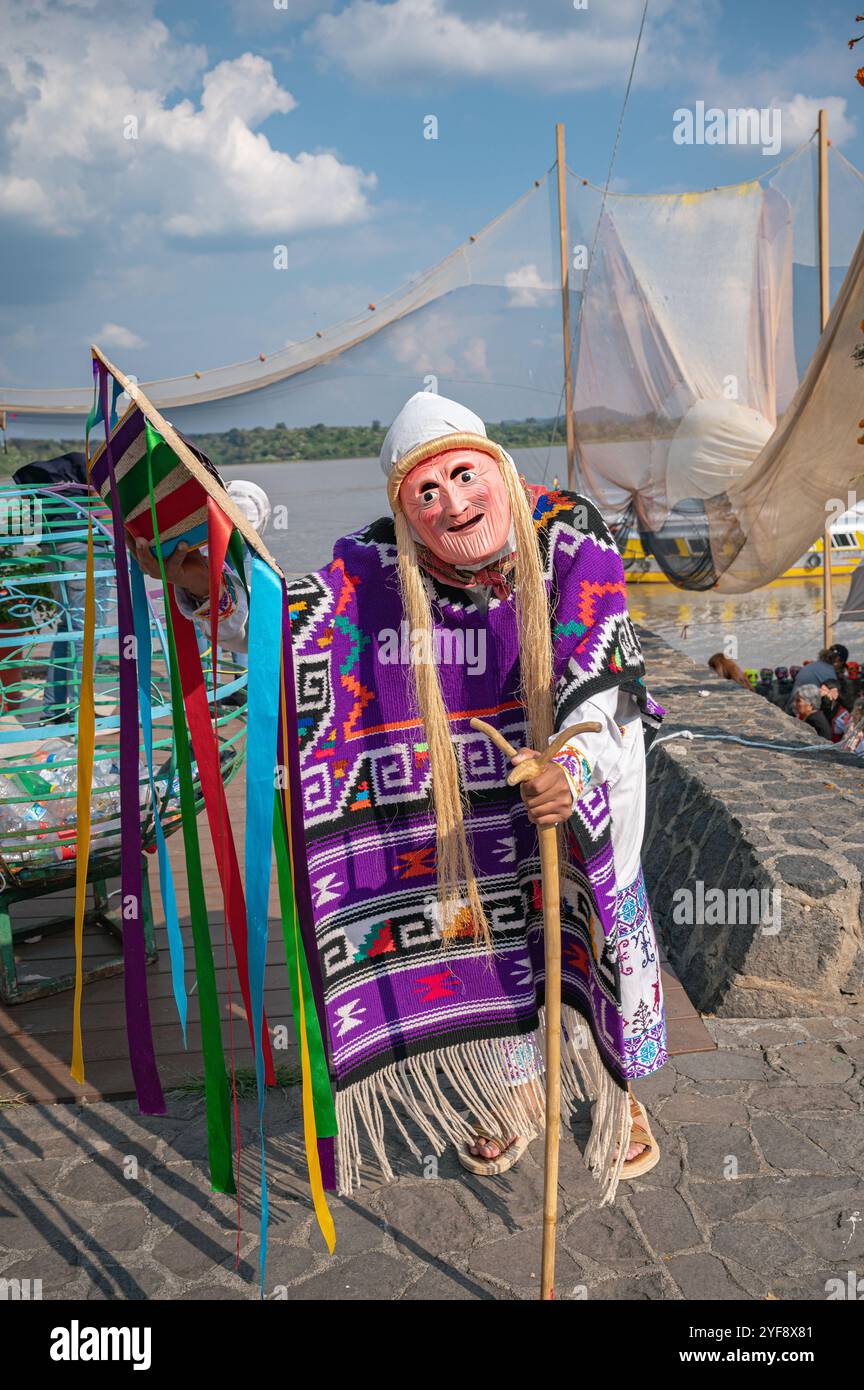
(142, 1056)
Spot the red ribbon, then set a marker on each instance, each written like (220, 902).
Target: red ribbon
(207, 757)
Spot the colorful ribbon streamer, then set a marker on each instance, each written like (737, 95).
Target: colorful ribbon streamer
(142, 1055)
(319, 1115)
(296, 904)
(263, 696)
(206, 752)
(141, 619)
(215, 1075)
(219, 535)
(274, 824)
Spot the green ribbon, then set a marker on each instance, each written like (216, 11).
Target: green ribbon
(238, 558)
(216, 1089)
(322, 1096)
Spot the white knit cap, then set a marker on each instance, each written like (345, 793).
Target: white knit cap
(252, 501)
(427, 425)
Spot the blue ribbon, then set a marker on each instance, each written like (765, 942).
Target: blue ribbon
(265, 617)
(141, 621)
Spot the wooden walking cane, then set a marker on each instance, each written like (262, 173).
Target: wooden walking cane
(547, 834)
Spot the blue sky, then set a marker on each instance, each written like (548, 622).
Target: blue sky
(303, 125)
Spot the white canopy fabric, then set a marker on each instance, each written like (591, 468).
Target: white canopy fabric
(853, 608)
(766, 520)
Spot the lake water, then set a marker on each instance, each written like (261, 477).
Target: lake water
(775, 626)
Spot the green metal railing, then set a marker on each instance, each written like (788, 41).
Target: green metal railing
(43, 540)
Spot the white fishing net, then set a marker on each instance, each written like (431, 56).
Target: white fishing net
(698, 311)
(693, 317)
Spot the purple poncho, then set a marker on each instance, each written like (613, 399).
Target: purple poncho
(402, 1010)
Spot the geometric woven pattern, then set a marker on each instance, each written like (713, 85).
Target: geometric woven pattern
(391, 990)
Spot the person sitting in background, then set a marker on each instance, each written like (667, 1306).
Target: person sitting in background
(853, 734)
(840, 724)
(728, 669)
(766, 686)
(835, 711)
(838, 655)
(812, 673)
(808, 706)
(784, 685)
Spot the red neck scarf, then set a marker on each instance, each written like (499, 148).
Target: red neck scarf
(498, 575)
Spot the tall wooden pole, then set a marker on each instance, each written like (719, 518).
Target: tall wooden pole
(565, 305)
(824, 311)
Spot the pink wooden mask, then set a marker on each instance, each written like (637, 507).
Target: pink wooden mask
(458, 505)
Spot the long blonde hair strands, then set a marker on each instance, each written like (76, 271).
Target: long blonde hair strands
(457, 880)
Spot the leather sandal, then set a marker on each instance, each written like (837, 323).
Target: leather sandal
(511, 1152)
(640, 1133)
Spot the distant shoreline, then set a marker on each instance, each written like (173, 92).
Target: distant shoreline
(333, 443)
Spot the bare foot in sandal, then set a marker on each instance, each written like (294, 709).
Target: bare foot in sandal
(643, 1153)
(500, 1151)
(635, 1148)
(490, 1148)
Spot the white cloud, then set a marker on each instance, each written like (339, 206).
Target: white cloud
(25, 198)
(800, 117)
(92, 134)
(474, 357)
(575, 50)
(524, 285)
(423, 343)
(434, 341)
(115, 335)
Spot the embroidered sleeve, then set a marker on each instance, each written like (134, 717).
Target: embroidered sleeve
(576, 768)
(227, 601)
(233, 612)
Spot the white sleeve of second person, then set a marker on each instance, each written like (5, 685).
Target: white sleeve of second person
(233, 612)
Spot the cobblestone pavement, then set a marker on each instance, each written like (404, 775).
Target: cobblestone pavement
(759, 1195)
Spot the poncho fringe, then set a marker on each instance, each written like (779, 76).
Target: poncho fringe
(476, 1073)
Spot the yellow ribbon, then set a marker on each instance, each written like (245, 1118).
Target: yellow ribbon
(310, 1137)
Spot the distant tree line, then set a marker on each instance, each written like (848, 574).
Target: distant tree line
(279, 444)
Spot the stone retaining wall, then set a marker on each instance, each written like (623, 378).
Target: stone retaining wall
(788, 825)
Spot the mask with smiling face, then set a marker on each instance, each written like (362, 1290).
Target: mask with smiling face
(457, 504)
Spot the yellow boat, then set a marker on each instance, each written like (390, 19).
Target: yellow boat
(847, 552)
